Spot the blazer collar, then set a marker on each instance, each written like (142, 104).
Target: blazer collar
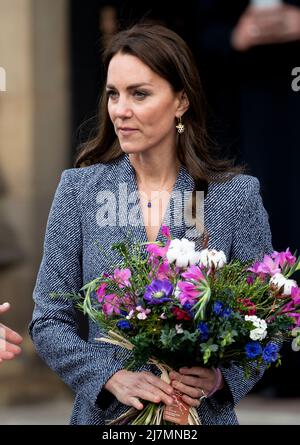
(122, 172)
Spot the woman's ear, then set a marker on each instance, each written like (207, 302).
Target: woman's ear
(183, 104)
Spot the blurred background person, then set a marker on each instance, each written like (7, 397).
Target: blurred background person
(246, 53)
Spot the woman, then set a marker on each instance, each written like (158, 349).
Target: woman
(151, 142)
(9, 339)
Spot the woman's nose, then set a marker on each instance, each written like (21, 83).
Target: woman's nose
(123, 109)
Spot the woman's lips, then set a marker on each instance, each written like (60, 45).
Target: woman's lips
(127, 131)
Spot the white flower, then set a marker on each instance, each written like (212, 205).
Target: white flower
(177, 292)
(296, 341)
(209, 258)
(130, 315)
(179, 329)
(279, 281)
(258, 334)
(260, 331)
(142, 316)
(257, 322)
(296, 344)
(163, 316)
(182, 252)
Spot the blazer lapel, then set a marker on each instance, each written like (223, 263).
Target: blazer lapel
(121, 180)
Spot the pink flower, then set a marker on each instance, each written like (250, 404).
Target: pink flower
(284, 257)
(100, 292)
(163, 271)
(265, 267)
(193, 273)
(111, 305)
(157, 251)
(166, 232)
(295, 294)
(188, 292)
(121, 277)
(289, 309)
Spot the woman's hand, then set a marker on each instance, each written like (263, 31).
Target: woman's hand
(195, 383)
(9, 339)
(128, 387)
(259, 26)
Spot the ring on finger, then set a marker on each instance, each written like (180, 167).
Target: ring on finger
(203, 394)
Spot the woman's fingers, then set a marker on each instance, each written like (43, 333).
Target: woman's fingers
(136, 403)
(4, 307)
(190, 401)
(6, 355)
(187, 380)
(10, 335)
(202, 373)
(158, 382)
(191, 391)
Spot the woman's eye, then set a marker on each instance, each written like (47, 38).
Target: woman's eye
(140, 95)
(112, 94)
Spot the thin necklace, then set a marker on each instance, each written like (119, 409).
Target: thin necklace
(150, 201)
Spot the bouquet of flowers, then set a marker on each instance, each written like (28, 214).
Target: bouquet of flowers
(173, 306)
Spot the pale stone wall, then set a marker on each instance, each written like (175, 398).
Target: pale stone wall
(34, 137)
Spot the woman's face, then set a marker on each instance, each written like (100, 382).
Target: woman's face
(141, 105)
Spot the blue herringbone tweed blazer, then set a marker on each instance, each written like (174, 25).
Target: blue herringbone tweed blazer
(237, 223)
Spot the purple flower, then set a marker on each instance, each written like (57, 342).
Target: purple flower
(158, 292)
(270, 352)
(253, 349)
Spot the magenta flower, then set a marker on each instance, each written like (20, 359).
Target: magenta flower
(265, 267)
(121, 277)
(194, 273)
(111, 305)
(164, 271)
(157, 251)
(100, 292)
(188, 293)
(290, 310)
(295, 294)
(166, 232)
(284, 257)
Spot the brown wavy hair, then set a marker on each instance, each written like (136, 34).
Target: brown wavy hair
(166, 53)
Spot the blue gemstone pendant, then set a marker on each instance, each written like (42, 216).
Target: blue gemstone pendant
(149, 204)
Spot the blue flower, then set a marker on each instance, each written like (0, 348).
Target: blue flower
(204, 331)
(188, 308)
(270, 352)
(226, 312)
(158, 292)
(124, 324)
(217, 308)
(253, 349)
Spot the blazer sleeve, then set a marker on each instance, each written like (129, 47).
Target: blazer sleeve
(252, 237)
(251, 241)
(54, 329)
